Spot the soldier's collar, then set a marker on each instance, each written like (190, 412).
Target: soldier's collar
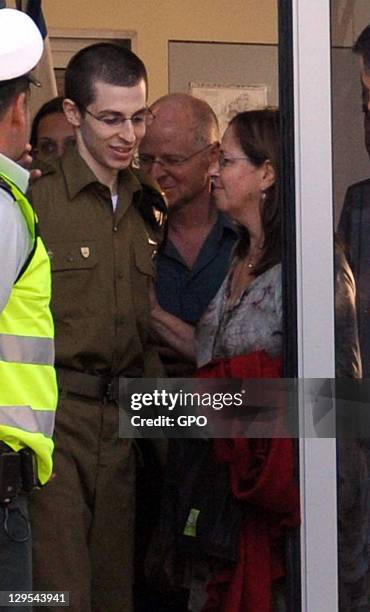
(78, 175)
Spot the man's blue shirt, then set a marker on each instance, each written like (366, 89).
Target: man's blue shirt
(186, 292)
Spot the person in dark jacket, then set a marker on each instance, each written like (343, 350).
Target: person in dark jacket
(354, 222)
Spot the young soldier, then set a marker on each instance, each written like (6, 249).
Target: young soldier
(99, 221)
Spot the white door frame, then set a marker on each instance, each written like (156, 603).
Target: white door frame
(315, 294)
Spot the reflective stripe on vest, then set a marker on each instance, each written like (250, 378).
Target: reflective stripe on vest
(28, 388)
(25, 349)
(34, 421)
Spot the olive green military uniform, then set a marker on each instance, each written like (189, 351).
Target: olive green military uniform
(102, 265)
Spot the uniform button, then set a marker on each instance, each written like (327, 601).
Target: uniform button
(70, 258)
(120, 275)
(115, 228)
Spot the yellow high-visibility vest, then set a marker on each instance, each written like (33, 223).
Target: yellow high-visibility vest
(28, 387)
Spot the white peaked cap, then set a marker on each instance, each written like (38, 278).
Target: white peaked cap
(21, 44)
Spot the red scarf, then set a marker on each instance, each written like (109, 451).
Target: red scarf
(262, 475)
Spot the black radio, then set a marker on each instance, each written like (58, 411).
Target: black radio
(18, 472)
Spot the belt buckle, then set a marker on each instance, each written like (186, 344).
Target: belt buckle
(110, 391)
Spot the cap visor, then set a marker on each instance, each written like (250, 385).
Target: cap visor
(33, 80)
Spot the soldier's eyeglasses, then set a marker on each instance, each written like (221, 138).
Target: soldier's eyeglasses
(139, 120)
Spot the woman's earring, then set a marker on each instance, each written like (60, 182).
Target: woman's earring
(263, 196)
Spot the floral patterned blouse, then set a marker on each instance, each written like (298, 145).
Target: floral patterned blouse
(251, 324)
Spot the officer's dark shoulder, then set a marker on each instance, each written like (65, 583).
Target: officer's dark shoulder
(150, 202)
(46, 167)
(5, 187)
(48, 172)
(44, 192)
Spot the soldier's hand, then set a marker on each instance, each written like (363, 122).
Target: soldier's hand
(154, 305)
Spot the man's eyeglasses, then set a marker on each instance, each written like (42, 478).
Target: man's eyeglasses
(170, 161)
(139, 120)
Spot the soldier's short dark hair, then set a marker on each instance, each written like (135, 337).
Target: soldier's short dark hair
(362, 47)
(107, 62)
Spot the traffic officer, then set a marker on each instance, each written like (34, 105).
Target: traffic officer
(100, 222)
(28, 390)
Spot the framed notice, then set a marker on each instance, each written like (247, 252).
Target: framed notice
(228, 101)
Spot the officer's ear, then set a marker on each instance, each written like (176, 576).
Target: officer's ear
(20, 111)
(72, 112)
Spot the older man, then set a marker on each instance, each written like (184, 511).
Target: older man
(178, 150)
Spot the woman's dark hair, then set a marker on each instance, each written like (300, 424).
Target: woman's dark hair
(107, 62)
(258, 135)
(55, 105)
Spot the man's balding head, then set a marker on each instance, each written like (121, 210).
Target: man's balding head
(180, 146)
(202, 121)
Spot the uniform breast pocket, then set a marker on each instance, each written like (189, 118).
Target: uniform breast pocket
(74, 282)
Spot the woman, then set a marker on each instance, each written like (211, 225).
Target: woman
(246, 314)
(240, 335)
(51, 133)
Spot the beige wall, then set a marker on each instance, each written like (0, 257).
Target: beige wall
(158, 21)
(348, 18)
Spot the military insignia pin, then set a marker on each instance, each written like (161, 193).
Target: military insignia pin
(85, 252)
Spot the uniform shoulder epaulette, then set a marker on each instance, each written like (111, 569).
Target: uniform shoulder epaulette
(152, 205)
(45, 167)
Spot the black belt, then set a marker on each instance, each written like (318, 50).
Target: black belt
(91, 386)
